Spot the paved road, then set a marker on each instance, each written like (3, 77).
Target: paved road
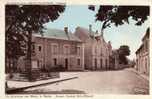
(97, 82)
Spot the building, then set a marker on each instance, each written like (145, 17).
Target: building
(142, 55)
(56, 48)
(84, 49)
(114, 60)
(97, 52)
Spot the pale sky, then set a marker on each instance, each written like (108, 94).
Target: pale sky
(80, 15)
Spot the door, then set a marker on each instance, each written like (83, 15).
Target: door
(55, 61)
(106, 61)
(100, 63)
(66, 63)
(95, 64)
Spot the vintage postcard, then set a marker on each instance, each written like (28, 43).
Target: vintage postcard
(73, 50)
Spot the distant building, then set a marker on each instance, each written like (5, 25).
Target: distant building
(114, 60)
(142, 55)
(97, 52)
(56, 48)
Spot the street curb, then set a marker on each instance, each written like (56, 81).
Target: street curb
(15, 90)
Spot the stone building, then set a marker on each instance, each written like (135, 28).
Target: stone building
(97, 52)
(142, 55)
(56, 48)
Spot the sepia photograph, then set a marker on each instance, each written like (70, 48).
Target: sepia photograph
(77, 49)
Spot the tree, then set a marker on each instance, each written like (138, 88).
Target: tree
(118, 15)
(123, 51)
(22, 21)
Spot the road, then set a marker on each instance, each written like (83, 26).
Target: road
(97, 82)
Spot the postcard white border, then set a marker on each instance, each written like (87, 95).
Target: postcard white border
(68, 2)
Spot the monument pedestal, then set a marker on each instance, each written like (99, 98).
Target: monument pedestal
(32, 71)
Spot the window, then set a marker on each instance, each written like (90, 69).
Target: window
(39, 62)
(66, 50)
(96, 49)
(78, 51)
(78, 61)
(95, 63)
(33, 47)
(101, 51)
(54, 49)
(39, 48)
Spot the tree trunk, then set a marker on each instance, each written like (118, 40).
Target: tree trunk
(29, 64)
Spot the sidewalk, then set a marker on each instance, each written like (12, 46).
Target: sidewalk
(23, 85)
(140, 74)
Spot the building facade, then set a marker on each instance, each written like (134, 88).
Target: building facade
(84, 49)
(56, 48)
(142, 55)
(97, 52)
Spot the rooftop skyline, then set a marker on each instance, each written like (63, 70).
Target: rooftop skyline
(80, 15)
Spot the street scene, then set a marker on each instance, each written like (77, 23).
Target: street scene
(53, 49)
(123, 82)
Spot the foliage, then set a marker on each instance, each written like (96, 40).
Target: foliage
(123, 51)
(24, 19)
(118, 15)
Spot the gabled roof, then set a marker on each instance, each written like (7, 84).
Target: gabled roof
(58, 34)
(139, 49)
(146, 34)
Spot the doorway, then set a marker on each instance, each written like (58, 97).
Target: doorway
(95, 63)
(55, 61)
(100, 63)
(66, 63)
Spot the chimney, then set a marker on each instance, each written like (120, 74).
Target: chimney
(109, 42)
(101, 32)
(96, 32)
(90, 28)
(66, 29)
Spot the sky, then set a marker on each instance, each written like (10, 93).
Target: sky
(80, 15)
